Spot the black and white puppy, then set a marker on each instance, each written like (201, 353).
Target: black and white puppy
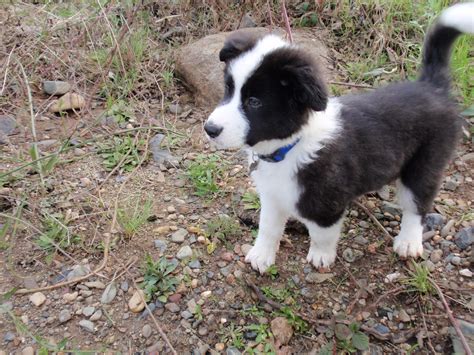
(316, 154)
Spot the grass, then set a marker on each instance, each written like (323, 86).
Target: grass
(251, 201)
(131, 219)
(205, 174)
(158, 279)
(56, 234)
(419, 280)
(221, 228)
(123, 153)
(349, 339)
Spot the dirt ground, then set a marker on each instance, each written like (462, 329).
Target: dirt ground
(218, 303)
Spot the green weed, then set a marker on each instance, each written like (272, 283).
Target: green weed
(419, 280)
(119, 110)
(254, 311)
(205, 173)
(251, 201)
(272, 271)
(349, 339)
(168, 77)
(222, 228)
(158, 279)
(281, 294)
(298, 323)
(56, 233)
(121, 152)
(132, 219)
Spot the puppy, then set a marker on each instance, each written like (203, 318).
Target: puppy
(312, 155)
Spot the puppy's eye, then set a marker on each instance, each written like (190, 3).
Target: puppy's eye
(253, 102)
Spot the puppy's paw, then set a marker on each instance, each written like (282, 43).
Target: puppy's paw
(321, 257)
(261, 258)
(405, 246)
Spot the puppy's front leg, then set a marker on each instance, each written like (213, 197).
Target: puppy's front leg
(272, 224)
(322, 251)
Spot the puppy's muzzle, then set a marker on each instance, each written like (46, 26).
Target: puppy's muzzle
(213, 130)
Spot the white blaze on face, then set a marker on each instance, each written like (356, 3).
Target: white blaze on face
(230, 116)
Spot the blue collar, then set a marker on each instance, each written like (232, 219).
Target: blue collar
(279, 154)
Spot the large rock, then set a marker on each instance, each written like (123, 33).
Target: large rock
(199, 66)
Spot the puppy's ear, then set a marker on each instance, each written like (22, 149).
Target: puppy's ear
(237, 43)
(306, 81)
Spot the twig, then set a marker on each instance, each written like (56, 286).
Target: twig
(394, 291)
(270, 17)
(157, 325)
(372, 217)
(287, 21)
(6, 71)
(430, 344)
(453, 321)
(365, 86)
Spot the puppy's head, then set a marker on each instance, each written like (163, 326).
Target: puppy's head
(270, 88)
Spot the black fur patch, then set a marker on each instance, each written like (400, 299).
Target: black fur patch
(237, 43)
(405, 130)
(288, 84)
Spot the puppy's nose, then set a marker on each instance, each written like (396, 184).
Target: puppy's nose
(212, 130)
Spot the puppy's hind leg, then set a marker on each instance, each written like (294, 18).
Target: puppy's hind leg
(322, 252)
(409, 241)
(271, 227)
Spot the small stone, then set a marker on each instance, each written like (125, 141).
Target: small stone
(348, 255)
(361, 240)
(175, 109)
(95, 284)
(56, 87)
(364, 224)
(8, 337)
(186, 314)
(465, 273)
(403, 316)
(87, 325)
(162, 229)
(7, 124)
(179, 235)
(195, 264)
(172, 307)
(436, 255)
(136, 303)
(184, 253)
(429, 265)
(29, 350)
(227, 256)
(391, 208)
(175, 297)
(146, 331)
(64, 316)
(220, 347)
(384, 193)
(88, 311)
(163, 155)
(69, 297)
(447, 228)
(206, 294)
(225, 271)
(247, 21)
(124, 286)
(456, 260)
(202, 330)
(192, 306)
(109, 293)
(317, 278)
(69, 101)
(392, 277)
(232, 351)
(245, 248)
(96, 316)
(37, 298)
(464, 238)
(382, 329)
(434, 221)
(78, 271)
(282, 330)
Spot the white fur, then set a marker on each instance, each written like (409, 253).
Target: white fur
(229, 115)
(279, 191)
(459, 16)
(410, 240)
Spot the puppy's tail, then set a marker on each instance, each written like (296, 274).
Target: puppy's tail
(453, 21)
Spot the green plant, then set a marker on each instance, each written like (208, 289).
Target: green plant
(205, 173)
(168, 77)
(254, 311)
(263, 334)
(251, 201)
(281, 294)
(158, 279)
(272, 271)
(233, 335)
(132, 219)
(119, 110)
(121, 152)
(348, 339)
(298, 323)
(56, 234)
(419, 280)
(221, 228)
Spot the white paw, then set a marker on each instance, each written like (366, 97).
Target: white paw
(405, 246)
(321, 257)
(261, 258)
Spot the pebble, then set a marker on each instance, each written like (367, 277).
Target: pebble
(232, 351)
(96, 316)
(225, 271)
(95, 284)
(146, 331)
(78, 271)
(403, 316)
(88, 311)
(446, 229)
(429, 265)
(175, 298)
(175, 109)
(184, 253)
(172, 307)
(227, 256)
(186, 314)
(465, 273)
(7, 124)
(456, 260)
(392, 277)
(64, 316)
(192, 306)
(220, 346)
(67, 102)
(8, 337)
(69, 297)
(109, 293)
(464, 238)
(124, 286)
(317, 278)
(56, 87)
(206, 294)
(179, 235)
(361, 240)
(364, 224)
(382, 329)
(202, 330)
(282, 330)
(136, 304)
(195, 264)
(37, 298)
(160, 244)
(436, 255)
(87, 325)
(29, 350)
(434, 221)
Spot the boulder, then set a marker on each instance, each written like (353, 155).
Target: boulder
(201, 71)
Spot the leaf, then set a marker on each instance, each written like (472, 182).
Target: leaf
(469, 112)
(163, 298)
(342, 332)
(360, 341)
(211, 247)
